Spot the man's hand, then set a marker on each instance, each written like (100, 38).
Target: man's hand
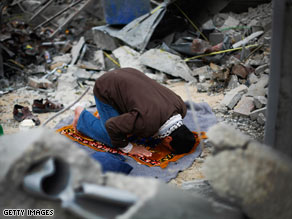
(140, 151)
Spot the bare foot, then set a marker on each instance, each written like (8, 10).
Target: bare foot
(140, 151)
(77, 113)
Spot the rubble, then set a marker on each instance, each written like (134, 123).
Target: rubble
(249, 174)
(245, 106)
(232, 97)
(167, 63)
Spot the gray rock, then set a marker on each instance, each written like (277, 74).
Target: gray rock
(254, 115)
(129, 58)
(103, 40)
(99, 59)
(261, 119)
(245, 106)
(76, 49)
(167, 63)
(260, 101)
(253, 176)
(204, 71)
(233, 82)
(215, 38)
(259, 70)
(258, 89)
(203, 87)
(19, 152)
(222, 135)
(233, 96)
(252, 78)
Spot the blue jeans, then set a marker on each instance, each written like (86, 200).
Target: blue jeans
(93, 127)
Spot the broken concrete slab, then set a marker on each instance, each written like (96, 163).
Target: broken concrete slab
(258, 89)
(260, 101)
(20, 152)
(250, 176)
(233, 82)
(254, 115)
(232, 97)
(39, 83)
(245, 106)
(222, 138)
(99, 59)
(205, 71)
(76, 49)
(203, 87)
(103, 40)
(252, 78)
(247, 39)
(259, 70)
(179, 203)
(167, 63)
(129, 58)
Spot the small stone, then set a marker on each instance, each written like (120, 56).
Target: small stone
(245, 106)
(233, 82)
(240, 70)
(261, 119)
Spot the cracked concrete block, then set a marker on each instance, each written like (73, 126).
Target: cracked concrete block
(167, 63)
(158, 200)
(224, 136)
(232, 97)
(255, 177)
(260, 101)
(19, 152)
(245, 106)
(258, 89)
(129, 58)
(233, 82)
(254, 115)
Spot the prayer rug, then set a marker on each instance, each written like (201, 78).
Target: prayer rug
(161, 156)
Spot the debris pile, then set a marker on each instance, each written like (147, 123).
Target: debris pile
(222, 52)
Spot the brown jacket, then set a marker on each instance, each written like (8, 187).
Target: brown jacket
(144, 105)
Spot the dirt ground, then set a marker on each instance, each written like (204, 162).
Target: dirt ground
(25, 97)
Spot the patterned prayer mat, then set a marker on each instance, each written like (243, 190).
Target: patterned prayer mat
(161, 156)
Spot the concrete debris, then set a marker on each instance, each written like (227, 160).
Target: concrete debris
(258, 89)
(220, 73)
(233, 82)
(247, 39)
(216, 38)
(251, 175)
(261, 69)
(99, 59)
(103, 40)
(260, 101)
(159, 77)
(252, 78)
(232, 97)
(76, 49)
(245, 106)
(254, 115)
(203, 87)
(204, 71)
(129, 58)
(240, 70)
(261, 119)
(167, 63)
(40, 83)
(26, 125)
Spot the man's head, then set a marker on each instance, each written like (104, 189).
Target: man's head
(180, 141)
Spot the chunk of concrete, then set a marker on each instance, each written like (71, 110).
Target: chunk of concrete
(20, 152)
(258, 89)
(254, 115)
(76, 49)
(233, 82)
(103, 40)
(167, 63)
(261, 69)
(223, 136)
(261, 119)
(129, 58)
(232, 97)
(204, 71)
(253, 176)
(39, 83)
(99, 59)
(252, 78)
(260, 101)
(203, 87)
(245, 106)
(159, 77)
